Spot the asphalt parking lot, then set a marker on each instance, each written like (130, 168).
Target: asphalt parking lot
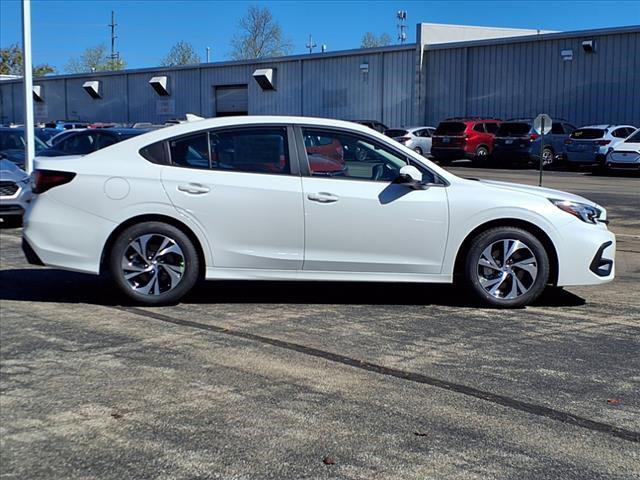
(302, 380)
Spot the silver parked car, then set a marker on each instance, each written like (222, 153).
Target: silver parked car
(15, 191)
(590, 145)
(415, 138)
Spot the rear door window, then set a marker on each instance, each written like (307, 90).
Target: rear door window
(191, 151)
(492, 127)
(479, 127)
(556, 128)
(252, 150)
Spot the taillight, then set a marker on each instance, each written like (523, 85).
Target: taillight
(603, 142)
(533, 136)
(44, 180)
(403, 139)
(568, 141)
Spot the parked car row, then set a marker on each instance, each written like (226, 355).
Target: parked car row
(494, 142)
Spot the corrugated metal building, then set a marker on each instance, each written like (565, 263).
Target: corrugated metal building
(419, 83)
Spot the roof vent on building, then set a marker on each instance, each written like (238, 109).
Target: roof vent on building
(160, 85)
(92, 87)
(38, 93)
(265, 78)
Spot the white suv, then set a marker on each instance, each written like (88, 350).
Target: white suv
(293, 198)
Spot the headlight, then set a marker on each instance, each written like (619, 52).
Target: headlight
(584, 212)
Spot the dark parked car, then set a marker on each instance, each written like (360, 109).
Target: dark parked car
(516, 141)
(457, 138)
(12, 145)
(90, 140)
(46, 134)
(376, 125)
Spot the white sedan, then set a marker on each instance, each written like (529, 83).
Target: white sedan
(294, 198)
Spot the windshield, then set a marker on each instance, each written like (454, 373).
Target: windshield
(513, 129)
(396, 133)
(587, 133)
(450, 128)
(635, 138)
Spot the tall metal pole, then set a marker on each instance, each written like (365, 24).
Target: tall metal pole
(30, 147)
(113, 35)
(541, 150)
(208, 54)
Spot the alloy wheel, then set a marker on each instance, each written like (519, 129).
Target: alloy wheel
(507, 269)
(547, 157)
(153, 264)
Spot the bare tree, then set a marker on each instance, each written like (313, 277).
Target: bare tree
(369, 40)
(94, 59)
(11, 63)
(260, 36)
(182, 53)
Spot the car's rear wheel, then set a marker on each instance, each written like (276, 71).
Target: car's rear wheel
(506, 267)
(418, 150)
(481, 157)
(548, 158)
(154, 263)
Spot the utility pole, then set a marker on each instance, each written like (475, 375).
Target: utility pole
(114, 55)
(311, 44)
(208, 54)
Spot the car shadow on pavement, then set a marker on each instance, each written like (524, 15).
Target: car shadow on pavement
(59, 286)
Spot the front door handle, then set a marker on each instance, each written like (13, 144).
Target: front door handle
(194, 188)
(322, 197)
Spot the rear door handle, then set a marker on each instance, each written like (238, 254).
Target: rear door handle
(322, 197)
(194, 188)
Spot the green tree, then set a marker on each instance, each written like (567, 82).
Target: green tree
(182, 53)
(259, 36)
(369, 40)
(11, 63)
(94, 59)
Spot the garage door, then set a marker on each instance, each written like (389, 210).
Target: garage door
(231, 100)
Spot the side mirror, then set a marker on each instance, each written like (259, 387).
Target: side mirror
(410, 177)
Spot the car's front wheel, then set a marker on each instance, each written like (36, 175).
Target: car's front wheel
(154, 263)
(506, 267)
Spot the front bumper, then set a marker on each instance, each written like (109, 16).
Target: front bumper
(16, 204)
(586, 254)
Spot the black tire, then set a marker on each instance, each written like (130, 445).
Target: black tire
(190, 263)
(418, 150)
(481, 157)
(548, 158)
(472, 267)
(443, 161)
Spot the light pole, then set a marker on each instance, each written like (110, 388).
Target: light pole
(208, 54)
(30, 146)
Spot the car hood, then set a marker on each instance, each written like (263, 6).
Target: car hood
(9, 171)
(539, 191)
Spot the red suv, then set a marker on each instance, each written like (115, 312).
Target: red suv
(457, 138)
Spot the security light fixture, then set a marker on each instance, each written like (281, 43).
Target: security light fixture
(589, 46)
(92, 87)
(38, 93)
(265, 78)
(160, 85)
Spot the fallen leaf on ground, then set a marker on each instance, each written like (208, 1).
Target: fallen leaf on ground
(328, 461)
(613, 401)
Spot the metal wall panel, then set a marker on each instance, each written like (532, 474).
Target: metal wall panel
(112, 107)
(397, 88)
(526, 78)
(286, 99)
(336, 87)
(145, 105)
(6, 103)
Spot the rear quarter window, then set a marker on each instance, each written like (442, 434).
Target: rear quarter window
(155, 153)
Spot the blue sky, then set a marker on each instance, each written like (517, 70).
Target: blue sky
(147, 29)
